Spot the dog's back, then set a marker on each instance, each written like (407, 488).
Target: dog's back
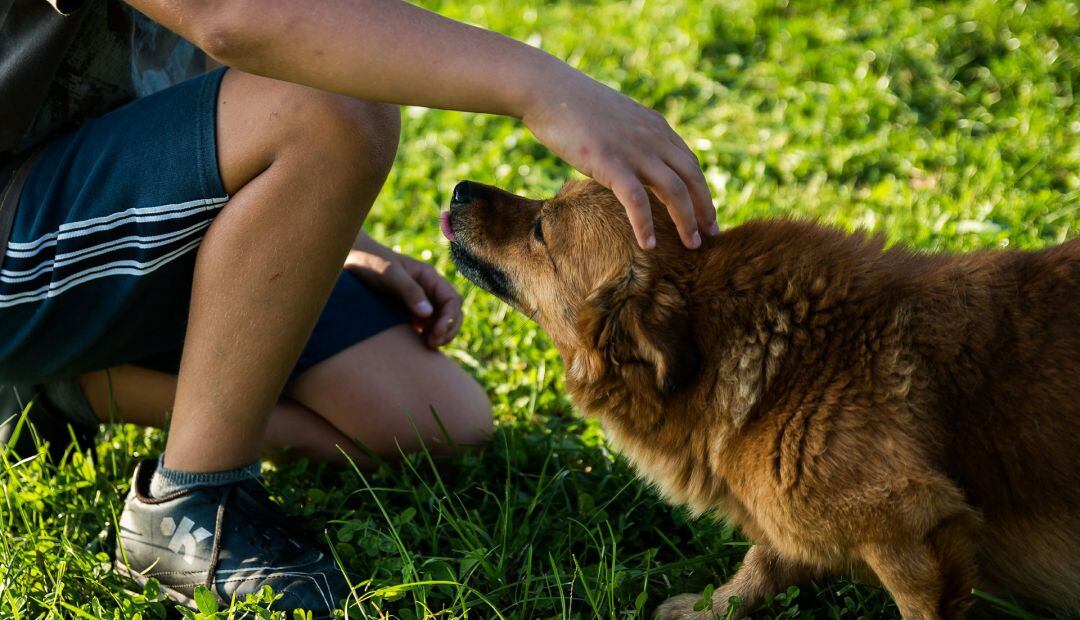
(1008, 386)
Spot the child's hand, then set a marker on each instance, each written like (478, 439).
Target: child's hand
(625, 147)
(432, 300)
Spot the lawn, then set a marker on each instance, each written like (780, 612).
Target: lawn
(944, 125)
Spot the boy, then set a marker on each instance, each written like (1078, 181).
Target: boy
(214, 217)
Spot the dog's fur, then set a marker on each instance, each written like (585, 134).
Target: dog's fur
(911, 418)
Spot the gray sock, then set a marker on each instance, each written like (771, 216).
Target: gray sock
(166, 481)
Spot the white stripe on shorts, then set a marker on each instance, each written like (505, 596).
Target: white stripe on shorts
(62, 260)
(123, 267)
(82, 228)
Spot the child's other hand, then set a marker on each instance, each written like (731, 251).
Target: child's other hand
(625, 147)
(432, 300)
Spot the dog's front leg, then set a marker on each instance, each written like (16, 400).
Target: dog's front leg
(763, 572)
(929, 578)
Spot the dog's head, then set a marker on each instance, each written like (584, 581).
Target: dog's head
(571, 263)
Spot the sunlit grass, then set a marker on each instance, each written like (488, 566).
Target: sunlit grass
(946, 126)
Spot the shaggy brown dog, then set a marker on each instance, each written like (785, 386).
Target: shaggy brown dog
(912, 418)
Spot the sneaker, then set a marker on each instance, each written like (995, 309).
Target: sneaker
(231, 539)
(50, 413)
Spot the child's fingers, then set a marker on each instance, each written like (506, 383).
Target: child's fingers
(455, 323)
(669, 187)
(447, 325)
(442, 325)
(685, 163)
(410, 291)
(631, 193)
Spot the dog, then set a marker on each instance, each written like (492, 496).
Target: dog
(912, 419)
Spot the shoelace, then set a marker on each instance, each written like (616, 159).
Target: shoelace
(289, 529)
(215, 552)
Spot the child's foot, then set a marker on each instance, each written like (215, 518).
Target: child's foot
(231, 539)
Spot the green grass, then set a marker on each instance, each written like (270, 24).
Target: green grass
(944, 125)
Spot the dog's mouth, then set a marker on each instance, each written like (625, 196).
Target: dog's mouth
(481, 273)
(446, 227)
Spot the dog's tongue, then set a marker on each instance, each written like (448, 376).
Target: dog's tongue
(444, 224)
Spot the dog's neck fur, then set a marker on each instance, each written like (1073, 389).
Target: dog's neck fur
(650, 426)
(683, 460)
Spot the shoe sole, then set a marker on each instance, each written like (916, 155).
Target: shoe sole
(142, 580)
(179, 597)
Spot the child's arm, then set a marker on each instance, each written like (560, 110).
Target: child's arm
(388, 50)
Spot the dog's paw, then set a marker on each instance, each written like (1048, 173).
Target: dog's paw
(681, 607)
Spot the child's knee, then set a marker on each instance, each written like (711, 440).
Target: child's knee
(463, 409)
(263, 121)
(358, 138)
(466, 412)
(479, 420)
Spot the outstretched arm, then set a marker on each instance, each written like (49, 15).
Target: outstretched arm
(392, 51)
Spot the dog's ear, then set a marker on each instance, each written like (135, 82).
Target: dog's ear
(637, 320)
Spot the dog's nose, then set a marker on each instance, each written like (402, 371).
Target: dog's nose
(462, 193)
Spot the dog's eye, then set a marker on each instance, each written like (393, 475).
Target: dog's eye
(538, 231)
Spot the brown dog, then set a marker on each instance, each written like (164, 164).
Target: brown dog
(912, 418)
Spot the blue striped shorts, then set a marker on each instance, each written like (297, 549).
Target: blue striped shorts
(99, 266)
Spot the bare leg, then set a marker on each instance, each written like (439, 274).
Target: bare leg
(763, 572)
(303, 168)
(145, 397)
(358, 399)
(370, 392)
(299, 431)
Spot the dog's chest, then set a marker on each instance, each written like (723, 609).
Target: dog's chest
(684, 478)
(684, 475)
